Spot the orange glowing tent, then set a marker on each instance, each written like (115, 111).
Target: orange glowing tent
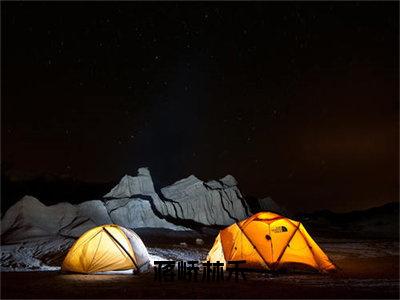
(106, 248)
(269, 241)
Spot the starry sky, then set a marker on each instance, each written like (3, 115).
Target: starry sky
(298, 101)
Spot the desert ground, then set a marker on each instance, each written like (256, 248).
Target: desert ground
(367, 269)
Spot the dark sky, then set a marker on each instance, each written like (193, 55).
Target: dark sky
(297, 101)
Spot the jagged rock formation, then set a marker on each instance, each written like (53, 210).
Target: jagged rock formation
(134, 203)
(29, 218)
(130, 186)
(209, 203)
(188, 201)
(137, 213)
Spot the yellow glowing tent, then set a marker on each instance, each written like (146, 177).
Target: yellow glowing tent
(269, 241)
(106, 248)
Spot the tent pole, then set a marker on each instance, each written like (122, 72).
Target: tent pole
(253, 246)
(284, 249)
(123, 248)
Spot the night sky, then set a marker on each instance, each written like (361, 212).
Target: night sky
(297, 101)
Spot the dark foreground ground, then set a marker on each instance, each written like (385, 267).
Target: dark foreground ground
(369, 269)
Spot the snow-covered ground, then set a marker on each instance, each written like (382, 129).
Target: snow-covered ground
(177, 253)
(34, 257)
(22, 260)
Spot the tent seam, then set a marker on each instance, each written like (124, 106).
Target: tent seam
(98, 245)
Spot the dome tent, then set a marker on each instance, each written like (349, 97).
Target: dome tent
(269, 241)
(107, 248)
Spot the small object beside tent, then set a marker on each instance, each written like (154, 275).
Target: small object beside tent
(107, 248)
(269, 241)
